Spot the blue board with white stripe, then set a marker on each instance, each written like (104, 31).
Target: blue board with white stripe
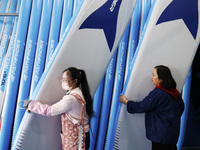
(106, 102)
(77, 4)
(66, 15)
(41, 48)
(6, 32)
(54, 29)
(95, 120)
(186, 99)
(6, 66)
(2, 10)
(134, 35)
(118, 84)
(16, 65)
(28, 61)
(146, 5)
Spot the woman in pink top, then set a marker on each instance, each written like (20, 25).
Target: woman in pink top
(75, 108)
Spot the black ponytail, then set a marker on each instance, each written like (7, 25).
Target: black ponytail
(80, 75)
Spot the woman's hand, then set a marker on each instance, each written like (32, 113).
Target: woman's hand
(123, 99)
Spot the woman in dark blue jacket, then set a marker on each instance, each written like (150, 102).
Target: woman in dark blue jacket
(163, 108)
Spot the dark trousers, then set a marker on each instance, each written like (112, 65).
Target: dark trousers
(158, 146)
(87, 141)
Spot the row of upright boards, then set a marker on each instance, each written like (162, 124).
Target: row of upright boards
(117, 43)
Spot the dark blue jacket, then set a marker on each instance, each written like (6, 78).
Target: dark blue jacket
(162, 116)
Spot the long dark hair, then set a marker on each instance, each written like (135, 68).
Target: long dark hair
(80, 75)
(165, 75)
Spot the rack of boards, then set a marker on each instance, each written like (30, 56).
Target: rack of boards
(117, 43)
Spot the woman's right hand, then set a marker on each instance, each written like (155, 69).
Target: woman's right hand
(123, 99)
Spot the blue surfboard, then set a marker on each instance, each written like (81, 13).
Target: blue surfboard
(77, 4)
(7, 30)
(106, 102)
(16, 65)
(146, 5)
(66, 15)
(5, 67)
(2, 10)
(186, 99)
(118, 84)
(41, 49)
(134, 35)
(54, 29)
(95, 120)
(28, 61)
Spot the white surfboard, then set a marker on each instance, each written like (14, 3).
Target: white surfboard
(171, 38)
(89, 45)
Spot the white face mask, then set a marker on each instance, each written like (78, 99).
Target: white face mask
(65, 86)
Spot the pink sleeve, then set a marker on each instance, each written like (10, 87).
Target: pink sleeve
(39, 108)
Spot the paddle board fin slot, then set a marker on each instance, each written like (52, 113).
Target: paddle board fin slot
(117, 133)
(21, 140)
